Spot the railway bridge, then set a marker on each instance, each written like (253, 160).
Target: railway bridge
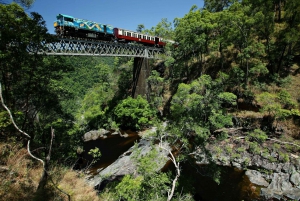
(78, 47)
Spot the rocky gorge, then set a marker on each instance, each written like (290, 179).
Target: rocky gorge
(274, 176)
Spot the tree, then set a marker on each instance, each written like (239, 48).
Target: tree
(140, 28)
(278, 106)
(196, 109)
(24, 3)
(217, 5)
(31, 85)
(134, 113)
(163, 29)
(45, 163)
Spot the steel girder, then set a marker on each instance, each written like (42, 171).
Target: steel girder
(95, 48)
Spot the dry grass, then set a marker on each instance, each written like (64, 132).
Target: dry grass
(248, 114)
(74, 184)
(20, 176)
(18, 173)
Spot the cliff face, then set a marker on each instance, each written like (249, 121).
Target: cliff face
(277, 174)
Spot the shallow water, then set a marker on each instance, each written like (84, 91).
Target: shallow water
(111, 148)
(234, 185)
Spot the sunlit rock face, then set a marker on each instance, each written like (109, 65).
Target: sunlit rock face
(126, 163)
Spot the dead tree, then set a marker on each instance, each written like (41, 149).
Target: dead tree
(44, 177)
(177, 166)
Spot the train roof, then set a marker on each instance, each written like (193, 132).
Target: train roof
(68, 16)
(136, 32)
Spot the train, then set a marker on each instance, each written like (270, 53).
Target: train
(68, 26)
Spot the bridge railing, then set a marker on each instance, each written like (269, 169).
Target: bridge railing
(66, 46)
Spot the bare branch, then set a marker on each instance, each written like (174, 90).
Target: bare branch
(177, 166)
(45, 163)
(10, 115)
(36, 158)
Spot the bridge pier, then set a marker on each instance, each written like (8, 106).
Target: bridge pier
(141, 72)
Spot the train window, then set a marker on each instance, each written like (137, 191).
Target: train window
(134, 35)
(129, 34)
(144, 37)
(148, 38)
(152, 39)
(123, 32)
(68, 19)
(140, 36)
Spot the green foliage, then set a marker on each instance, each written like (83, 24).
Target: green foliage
(258, 135)
(163, 29)
(285, 99)
(151, 184)
(241, 149)
(95, 153)
(228, 149)
(129, 188)
(4, 120)
(228, 98)
(222, 136)
(32, 82)
(276, 147)
(156, 186)
(156, 86)
(196, 108)
(275, 104)
(284, 157)
(217, 5)
(25, 3)
(134, 113)
(236, 156)
(148, 164)
(94, 106)
(218, 151)
(254, 148)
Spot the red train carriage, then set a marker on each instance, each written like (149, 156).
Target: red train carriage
(124, 35)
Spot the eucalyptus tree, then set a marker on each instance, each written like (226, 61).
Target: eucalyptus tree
(217, 5)
(287, 42)
(194, 33)
(197, 109)
(140, 28)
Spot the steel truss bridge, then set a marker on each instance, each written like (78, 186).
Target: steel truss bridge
(75, 47)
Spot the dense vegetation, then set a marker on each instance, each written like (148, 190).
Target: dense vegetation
(230, 54)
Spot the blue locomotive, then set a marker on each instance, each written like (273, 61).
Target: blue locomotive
(66, 25)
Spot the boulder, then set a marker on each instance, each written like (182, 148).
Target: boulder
(126, 163)
(280, 187)
(95, 134)
(295, 178)
(255, 177)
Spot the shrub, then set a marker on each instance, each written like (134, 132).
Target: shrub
(254, 147)
(258, 135)
(134, 113)
(129, 188)
(241, 149)
(284, 157)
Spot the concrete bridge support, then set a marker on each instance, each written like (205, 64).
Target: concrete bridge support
(141, 72)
